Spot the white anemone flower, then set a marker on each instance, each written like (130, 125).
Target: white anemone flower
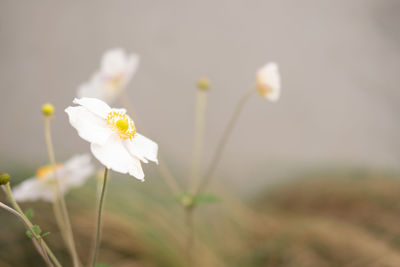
(112, 136)
(269, 82)
(116, 70)
(73, 173)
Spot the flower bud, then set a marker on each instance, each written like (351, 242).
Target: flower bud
(47, 109)
(187, 201)
(4, 178)
(203, 84)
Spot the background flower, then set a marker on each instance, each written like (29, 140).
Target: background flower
(116, 70)
(73, 173)
(269, 81)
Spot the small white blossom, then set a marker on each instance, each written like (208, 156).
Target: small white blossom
(112, 136)
(269, 82)
(116, 70)
(73, 173)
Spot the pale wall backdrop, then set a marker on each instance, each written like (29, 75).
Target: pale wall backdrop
(339, 62)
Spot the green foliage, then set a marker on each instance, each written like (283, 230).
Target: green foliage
(36, 229)
(29, 213)
(206, 198)
(102, 264)
(29, 234)
(190, 200)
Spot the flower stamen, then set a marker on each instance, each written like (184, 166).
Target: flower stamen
(46, 170)
(121, 124)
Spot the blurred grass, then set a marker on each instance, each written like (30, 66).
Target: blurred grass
(325, 218)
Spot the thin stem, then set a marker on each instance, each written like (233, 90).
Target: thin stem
(223, 141)
(28, 223)
(201, 104)
(59, 220)
(170, 180)
(36, 239)
(60, 195)
(97, 243)
(189, 220)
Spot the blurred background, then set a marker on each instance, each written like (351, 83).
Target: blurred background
(312, 179)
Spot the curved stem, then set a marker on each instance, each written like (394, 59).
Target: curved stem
(98, 231)
(60, 196)
(28, 223)
(223, 141)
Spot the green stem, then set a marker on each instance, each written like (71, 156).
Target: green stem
(199, 137)
(223, 141)
(190, 236)
(99, 213)
(28, 223)
(170, 179)
(60, 196)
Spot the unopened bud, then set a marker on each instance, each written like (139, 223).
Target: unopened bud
(47, 109)
(203, 84)
(4, 178)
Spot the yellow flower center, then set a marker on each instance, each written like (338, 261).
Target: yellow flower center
(44, 171)
(263, 88)
(121, 124)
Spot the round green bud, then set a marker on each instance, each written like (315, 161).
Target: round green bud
(187, 201)
(4, 178)
(47, 109)
(203, 84)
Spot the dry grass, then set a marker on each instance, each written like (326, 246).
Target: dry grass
(332, 220)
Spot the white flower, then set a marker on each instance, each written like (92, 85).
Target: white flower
(113, 137)
(269, 81)
(117, 69)
(73, 173)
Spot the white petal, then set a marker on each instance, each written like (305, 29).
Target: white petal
(94, 88)
(114, 156)
(113, 62)
(94, 105)
(142, 148)
(33, 189)
(131, 67)
(75, 172)
(269, 76)
(90, 127)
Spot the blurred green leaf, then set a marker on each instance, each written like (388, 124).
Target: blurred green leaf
(190, 200)
(206, 198)
(29, 234)
(36, 229)
(45, 234)
(101, 264)
(29, 213)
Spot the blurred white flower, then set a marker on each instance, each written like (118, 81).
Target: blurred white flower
(116, 70)
(269, 81)
(113, 137)
(73, 173)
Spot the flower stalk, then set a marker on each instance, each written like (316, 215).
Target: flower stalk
(201, 105)
(99, 214)
(223, 141)
(39, 243)
(66, 226)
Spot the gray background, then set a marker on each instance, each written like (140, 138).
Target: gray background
(339, 62)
